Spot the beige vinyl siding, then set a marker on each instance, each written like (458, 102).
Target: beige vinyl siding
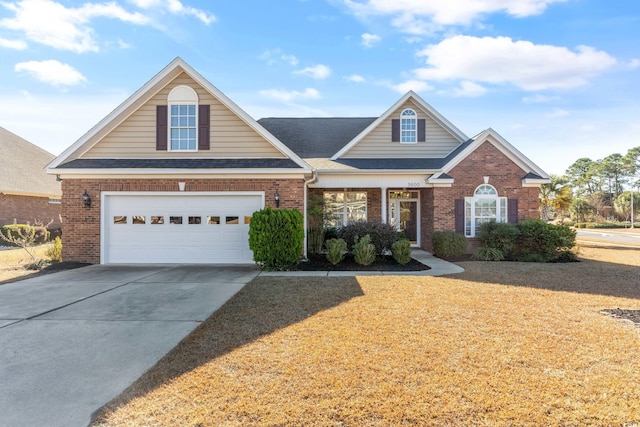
(230, 136)
(377, 144)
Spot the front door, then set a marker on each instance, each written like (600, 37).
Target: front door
(404, 214)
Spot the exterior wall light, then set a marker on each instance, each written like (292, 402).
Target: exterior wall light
(86, 199)
(276, 197)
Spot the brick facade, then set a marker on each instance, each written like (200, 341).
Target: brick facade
(29, 209)
(81, 225)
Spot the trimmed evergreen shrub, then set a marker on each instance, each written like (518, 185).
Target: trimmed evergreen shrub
(336, 249)
(276, 237)
(364, 252)
(382, 236)
(448, 244)
(486, 253)
(499, 235)
(401, 251)
(546, 240)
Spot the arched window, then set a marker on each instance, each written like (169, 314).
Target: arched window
(408, 127)
(183, 119)
(484, 206)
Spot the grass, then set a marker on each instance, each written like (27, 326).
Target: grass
(502, 344)
(13, 262)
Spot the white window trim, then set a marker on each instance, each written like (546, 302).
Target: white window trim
(502, 212)
(413, 117)
(182, 95)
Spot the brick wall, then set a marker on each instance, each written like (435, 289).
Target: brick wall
(81, 225)
(27, 209)
(503, 174)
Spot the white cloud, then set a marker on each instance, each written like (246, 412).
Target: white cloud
(13, 44)
(422, 16)
(558, 113)
(289, 96)
(316, 72)
(356, 78)
(177, 8)
(414, 85)
(52, 24)
(368, 40)
(469, 89)
(271, 56)
(539, 99)
(521, 63)
(51, 72)
(633, 64)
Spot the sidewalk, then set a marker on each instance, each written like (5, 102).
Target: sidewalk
(439, 267)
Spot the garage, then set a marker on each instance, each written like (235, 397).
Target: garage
(185, 228)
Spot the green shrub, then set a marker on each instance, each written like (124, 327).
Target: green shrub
(448, 244)
(566, 256)
(364, 252)
(547, 240)
(315, 239)
(276, 237)
(383, 236)
(336, 249)
(486, 253)
(499, 235)
(55, 251)
(401, 251)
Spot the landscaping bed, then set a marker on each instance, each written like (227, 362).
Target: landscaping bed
(382, 263)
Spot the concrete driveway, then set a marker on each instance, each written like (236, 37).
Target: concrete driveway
(71, 341)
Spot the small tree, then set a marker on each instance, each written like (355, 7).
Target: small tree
(26, 236)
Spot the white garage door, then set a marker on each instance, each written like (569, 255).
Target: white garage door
(196, 228)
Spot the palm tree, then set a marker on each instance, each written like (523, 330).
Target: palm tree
(555, 196)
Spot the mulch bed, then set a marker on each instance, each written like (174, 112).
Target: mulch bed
(382, 263)
(619, 313)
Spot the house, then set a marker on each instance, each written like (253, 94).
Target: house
(175, 172)
(27, 192)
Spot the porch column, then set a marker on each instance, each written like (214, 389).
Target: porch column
(383, 211)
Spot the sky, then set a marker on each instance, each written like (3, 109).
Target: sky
(559, 79)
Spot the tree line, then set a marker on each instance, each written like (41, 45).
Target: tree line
(594, 190)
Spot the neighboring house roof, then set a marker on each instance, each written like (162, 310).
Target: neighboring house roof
(22, 168)
(142, 95)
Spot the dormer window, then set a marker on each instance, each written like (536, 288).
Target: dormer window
(408, 127)
(183, 119)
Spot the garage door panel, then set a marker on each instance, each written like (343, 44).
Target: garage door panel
(160, 241)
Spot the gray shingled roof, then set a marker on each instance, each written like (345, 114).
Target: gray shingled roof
(203, 163)
(316, 137)
(22, 167)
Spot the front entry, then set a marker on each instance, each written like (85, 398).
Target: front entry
(404, 214)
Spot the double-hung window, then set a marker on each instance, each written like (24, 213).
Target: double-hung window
(343, 208)
(408, 127)
(484, 206)
(183, 119)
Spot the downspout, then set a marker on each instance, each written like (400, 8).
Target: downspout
(313, 179)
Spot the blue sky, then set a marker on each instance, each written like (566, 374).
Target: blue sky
(559, 79)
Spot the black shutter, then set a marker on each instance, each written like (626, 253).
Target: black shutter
(459, 215)
(512, 211)
(203, 127)
(422, 130)
(162, 119)
(395, 130)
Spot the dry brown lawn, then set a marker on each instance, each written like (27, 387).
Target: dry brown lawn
(502, 344)
(13, 261)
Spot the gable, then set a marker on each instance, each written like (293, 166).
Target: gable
(229, 135)
(437, 140)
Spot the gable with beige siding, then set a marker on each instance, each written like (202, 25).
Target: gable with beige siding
(230, 136)
(377, 144)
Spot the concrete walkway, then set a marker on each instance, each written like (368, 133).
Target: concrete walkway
(439, 267)
(72, 341)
